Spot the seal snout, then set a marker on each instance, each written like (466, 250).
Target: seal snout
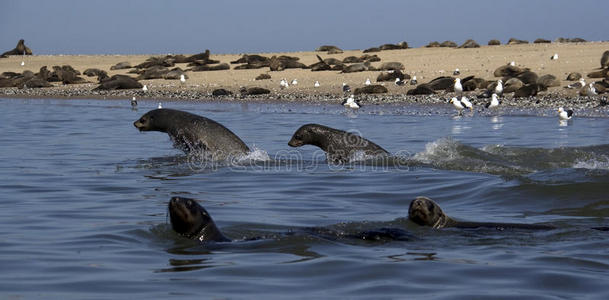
(295, 143)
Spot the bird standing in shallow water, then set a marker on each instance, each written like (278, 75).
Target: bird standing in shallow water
(457, 104)
(494, 102)
(133, 103)
(351, 103)
(565, 114)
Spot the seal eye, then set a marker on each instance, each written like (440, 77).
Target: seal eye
(430, 206)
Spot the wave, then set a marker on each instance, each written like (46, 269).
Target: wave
(449, 154)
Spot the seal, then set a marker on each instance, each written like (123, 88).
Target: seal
(189, 219)
(340, 146)
(190, 132)
(425, 212)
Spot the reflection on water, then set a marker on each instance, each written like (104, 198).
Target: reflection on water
(85, 204)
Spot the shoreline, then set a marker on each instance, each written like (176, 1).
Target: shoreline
(425, 63)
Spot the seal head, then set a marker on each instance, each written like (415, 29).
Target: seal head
(191, 220)
(426, 212)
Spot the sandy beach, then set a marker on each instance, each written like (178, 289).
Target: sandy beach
(425, 63)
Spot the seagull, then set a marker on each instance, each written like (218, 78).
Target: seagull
(133, 103)
(316, 84)
(458, 87)
(413, 81)
(145, 88)
(577, 85)
(351, 103)
(346, 88)
(499, 87)
(494, 102)
(457, 104)
(554, 57)
(565, 114)
(465, 102)
(367, 81)
(160, 106)
(588, 90)
(512, 63)
(182, 79)
(399, 81)
(22, 63)
(294, 82)
(457, 72)
(283, 84)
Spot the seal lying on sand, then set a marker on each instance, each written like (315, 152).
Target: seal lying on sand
(340, 146)
(191, 220)
(426, 212)
(190, 132)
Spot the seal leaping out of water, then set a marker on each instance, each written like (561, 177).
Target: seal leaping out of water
(191, 132)
(340, 146)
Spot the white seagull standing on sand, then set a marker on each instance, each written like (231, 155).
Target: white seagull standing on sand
(565, 114)
(346, 88)
(316, 84)
(499, 87)
(512, 63)
(457, 72)
(588, 90)
(145, 88)
(494, 101)
(577, 85)
(350, 102)
(554, 57)
(22, 63)
(294, 82)
(413, 81)
(458, 87)
(182, 79)
(367, 81)
(160, 106)
(399, 81)
(283, 84)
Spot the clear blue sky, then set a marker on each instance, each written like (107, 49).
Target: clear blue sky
(150, 27)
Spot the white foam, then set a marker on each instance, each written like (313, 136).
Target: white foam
(439, 150)
(592, 164)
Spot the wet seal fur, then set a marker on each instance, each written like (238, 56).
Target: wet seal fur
(191, 132)
(425, 212)
(192, 221)
(340, 146)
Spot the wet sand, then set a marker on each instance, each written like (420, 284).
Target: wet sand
(425, 63)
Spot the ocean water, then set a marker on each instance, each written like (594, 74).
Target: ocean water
(83, 208)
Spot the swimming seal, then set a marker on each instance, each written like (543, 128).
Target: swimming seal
(191, 220)
(425, 212)
(340, 146)
(190, 132)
